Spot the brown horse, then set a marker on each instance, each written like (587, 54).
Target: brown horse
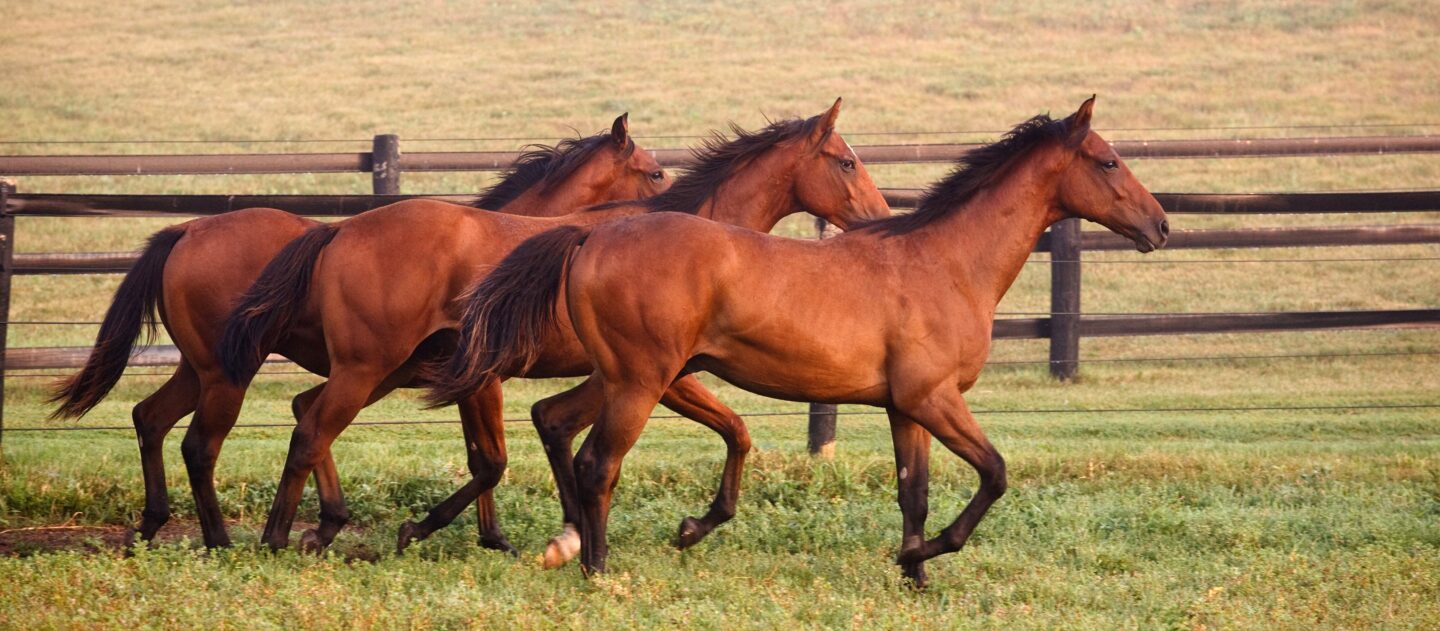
(657, 297)
(193, 273)
(382, 316)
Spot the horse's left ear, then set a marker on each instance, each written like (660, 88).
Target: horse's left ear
(1079, 122)
(620, 131)
(826, 125)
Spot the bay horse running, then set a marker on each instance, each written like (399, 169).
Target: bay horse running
(193, 273)
(384, 313)
(907, 329)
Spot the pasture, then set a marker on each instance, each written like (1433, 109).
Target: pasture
(1280, 518)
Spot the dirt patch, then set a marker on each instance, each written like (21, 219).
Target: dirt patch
(101, 538)
(96, 539)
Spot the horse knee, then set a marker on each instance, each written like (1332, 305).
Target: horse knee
(992, 476)
(148, 434)
(487, 470)
(740, 439)
(196, 452)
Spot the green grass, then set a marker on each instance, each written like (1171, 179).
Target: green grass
(1286, 519)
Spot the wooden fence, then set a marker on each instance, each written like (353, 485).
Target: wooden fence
(1066, 243)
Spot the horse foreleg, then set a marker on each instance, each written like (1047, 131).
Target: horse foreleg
(687, 397)
(912, 471)
(950, 421)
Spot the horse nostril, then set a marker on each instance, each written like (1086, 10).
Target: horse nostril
(1164, 227)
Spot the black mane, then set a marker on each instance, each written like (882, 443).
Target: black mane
(544, 165)
(977, 169)
(716, 160)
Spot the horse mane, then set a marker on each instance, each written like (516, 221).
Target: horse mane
(716, 160)
(977, 169)
(544, 165)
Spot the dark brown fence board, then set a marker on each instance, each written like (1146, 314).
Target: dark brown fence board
(1259, 203)
(119, 262)
(70, 205)
(355, 162)
(1094, 240)
(1178, 324)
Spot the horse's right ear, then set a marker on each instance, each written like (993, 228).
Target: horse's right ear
(826, 125)
(620, 131)
(1079, 122)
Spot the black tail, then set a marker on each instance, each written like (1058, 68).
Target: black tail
(507, 315)
(133, 308)
(269, 307)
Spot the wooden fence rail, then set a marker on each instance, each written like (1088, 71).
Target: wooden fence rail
(1066, 242)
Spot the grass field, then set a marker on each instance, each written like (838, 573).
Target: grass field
(1284, 519)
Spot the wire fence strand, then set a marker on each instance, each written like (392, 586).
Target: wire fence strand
(981, 412)
(535, 138)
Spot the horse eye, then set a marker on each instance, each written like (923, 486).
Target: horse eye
(848, 165)
(1110, 165)
(657, 176)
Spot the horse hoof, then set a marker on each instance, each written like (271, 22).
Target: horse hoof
(501, 545)
(691, 532)
(915, 577)
(310, 542)
(562, 548)
(406, 536)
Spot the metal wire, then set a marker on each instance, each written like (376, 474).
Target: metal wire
(235, 141)
(1103, 360)
(1263, 408)
(1152, 261)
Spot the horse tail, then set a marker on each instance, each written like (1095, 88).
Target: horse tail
(507, 315)
(270, 306)
(134, 308)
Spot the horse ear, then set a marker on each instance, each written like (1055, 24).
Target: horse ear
(826, 125)
(1079, 122)
(620, 131)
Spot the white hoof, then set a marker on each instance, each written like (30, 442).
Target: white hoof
(562, 548)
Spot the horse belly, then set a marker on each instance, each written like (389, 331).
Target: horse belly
(798, 368)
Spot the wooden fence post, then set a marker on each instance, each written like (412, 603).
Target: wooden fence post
(1065, 299)
(385, 164)
(822, 415)
(7, 269)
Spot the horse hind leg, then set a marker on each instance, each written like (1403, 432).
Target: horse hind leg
(597, 467)
(154, 417)
(687, 397)
(557, 420)
(334, 514)
(349, 390)
(219, 407)
(482, 420)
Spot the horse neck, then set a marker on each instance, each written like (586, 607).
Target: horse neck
(987, 241)
(756, 197)
(560, 200)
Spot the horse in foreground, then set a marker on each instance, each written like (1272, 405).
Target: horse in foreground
(382, 316)
(908, 328)
(192, 274)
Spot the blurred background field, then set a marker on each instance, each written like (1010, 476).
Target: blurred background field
(1161, 518)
